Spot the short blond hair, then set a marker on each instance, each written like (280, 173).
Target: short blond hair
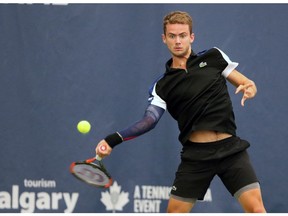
(177, 17)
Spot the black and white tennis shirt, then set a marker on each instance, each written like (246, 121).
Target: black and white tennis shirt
(197, 98)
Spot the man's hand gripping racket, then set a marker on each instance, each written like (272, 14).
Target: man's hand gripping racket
(92, 173)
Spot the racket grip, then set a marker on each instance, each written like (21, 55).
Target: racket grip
(98, 158)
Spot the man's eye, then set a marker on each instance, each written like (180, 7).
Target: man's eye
(172, 36)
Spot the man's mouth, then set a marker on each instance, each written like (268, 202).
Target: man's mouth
(178, 48)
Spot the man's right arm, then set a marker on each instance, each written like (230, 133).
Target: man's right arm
(150, 119)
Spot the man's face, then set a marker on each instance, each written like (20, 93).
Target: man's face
(178, 39)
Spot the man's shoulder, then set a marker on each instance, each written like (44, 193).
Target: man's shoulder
(208, 51)
(155, 82)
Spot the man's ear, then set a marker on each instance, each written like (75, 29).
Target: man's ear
(192, 37)
(164, 38)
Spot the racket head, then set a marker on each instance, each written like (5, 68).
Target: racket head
(91, 173)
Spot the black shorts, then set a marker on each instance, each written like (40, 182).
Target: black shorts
(227, 158)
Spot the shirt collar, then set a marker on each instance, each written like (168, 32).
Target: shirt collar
(169, 62)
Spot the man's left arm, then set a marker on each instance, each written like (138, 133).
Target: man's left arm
(242, 84)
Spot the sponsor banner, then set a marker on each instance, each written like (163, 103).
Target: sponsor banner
(43, 196)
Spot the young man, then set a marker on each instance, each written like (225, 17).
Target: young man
(193, 89)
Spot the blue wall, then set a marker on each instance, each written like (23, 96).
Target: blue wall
(63, 63)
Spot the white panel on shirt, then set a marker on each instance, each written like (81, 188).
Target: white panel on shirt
(231, 65)
(156, 99)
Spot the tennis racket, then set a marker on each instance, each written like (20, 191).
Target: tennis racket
(92, 173)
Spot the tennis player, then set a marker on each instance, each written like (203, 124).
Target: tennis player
(193, 89)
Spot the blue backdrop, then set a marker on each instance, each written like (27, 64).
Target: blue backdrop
(60, 64)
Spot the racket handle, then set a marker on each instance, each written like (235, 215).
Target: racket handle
(98, 158)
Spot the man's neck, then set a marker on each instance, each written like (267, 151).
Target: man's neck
(180, 62)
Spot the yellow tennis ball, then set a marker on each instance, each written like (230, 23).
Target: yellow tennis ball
(83, 126)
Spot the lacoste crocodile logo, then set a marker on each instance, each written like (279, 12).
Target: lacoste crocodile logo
(203, 64)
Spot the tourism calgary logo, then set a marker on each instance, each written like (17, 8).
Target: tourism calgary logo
(115, 199)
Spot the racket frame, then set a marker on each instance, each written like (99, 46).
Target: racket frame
(99, 166)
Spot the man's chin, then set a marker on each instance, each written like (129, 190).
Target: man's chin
(180, 54)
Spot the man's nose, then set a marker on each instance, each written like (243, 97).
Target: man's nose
(178, 40)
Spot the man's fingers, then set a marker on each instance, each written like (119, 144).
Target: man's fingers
(238, 89)
(243, 101)
(247, 91)
(243, 87)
